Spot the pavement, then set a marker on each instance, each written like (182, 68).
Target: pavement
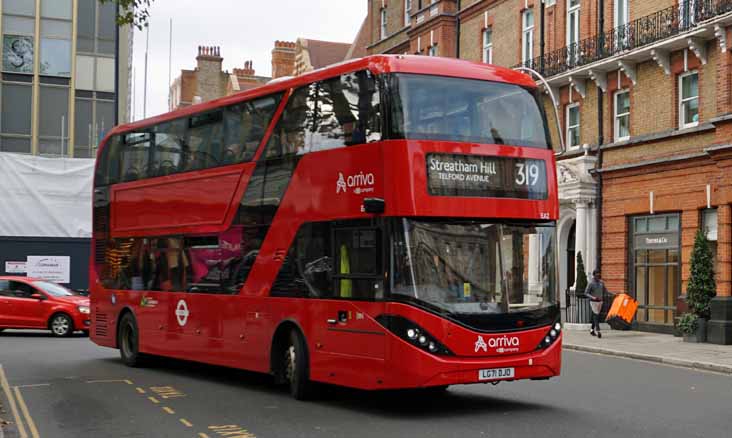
(652, 347)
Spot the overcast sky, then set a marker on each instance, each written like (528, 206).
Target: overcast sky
(244, 29)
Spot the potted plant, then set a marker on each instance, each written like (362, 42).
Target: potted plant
(691, 329)
(581, 285)
(701, 288)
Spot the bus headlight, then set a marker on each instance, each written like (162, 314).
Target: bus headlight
(413, 334)
(551, 336)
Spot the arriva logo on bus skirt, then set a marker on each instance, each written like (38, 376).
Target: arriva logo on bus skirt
(359, 183)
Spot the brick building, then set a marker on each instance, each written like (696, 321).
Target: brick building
(646, 107)
(209, 81)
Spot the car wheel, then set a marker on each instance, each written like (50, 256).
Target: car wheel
(61, 325)
(128, 340)
(296, 368)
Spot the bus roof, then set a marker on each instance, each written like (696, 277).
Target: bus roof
(378, 64)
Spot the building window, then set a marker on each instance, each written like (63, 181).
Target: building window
(432, 51)
(527, 50)
(15, 113)
(573, 29)
(573, 125)
(407, 11)
(622, 18)
(688, 100)
(622, 115)
(688, 9)
(550, 3)
(655, 268)
(18, 26)
(488, 45)
(383, 23)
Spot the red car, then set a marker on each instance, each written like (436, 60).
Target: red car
(29, 303)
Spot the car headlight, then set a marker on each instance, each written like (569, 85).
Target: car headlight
(83, 309)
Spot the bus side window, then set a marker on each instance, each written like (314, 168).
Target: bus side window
(204, 141)
(307, 269)
(244, 128)
(169, 144)
(348, 112)
(135, 156)
(288, 137)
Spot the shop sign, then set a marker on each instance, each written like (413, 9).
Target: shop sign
(657, 241)
(50, 268)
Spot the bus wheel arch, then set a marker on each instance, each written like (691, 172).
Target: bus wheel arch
(128, 339)
(290, 359)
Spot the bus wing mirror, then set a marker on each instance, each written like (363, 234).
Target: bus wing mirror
(374, 205)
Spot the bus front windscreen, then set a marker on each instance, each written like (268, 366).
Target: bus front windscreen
(425, 107)
(474, 268)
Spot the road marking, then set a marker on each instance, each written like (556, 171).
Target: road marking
(129, 382)
(26, 414)
(11, 400)
(34, 386)
(140, 390)
(167, 392)
(186, 422)
(168, 410)
(202, 435)
(154, 400)
(231, 431)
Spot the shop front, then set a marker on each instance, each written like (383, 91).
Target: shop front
(655, 274)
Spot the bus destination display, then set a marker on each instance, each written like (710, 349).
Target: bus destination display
(486, 176)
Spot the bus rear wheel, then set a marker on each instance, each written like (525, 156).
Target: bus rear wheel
(296, 368)
(128, 340)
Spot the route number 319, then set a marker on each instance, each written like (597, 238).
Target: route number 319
(527, 174)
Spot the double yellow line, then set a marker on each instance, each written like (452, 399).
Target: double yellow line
(14, 408)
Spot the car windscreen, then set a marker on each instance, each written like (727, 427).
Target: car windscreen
(53, 289)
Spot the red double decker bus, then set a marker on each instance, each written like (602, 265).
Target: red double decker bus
(388, 222)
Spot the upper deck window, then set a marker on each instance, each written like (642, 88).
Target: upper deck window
(330, 114)
(215, 138)
(465, 110)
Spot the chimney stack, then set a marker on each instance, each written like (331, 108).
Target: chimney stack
(283, 59)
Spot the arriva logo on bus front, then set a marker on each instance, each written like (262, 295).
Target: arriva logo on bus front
(502, 344)
(359, 183)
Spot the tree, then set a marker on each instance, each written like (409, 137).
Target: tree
(702, 287)
(132, 12)
(581, 276)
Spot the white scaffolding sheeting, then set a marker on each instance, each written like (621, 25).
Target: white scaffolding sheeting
(45, 197)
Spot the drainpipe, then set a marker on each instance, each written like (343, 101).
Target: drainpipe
(457, 31)
(542, 38)
(600, 141)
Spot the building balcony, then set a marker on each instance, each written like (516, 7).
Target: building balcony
(652, 37)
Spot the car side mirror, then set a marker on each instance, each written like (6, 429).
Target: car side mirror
(38, 297)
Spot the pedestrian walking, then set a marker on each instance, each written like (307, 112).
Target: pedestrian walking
(595, 292)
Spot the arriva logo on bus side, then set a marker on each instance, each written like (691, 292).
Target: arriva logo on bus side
(502, 344)
(359, 183)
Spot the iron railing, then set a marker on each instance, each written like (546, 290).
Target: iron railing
(577, 308)
(641, 32)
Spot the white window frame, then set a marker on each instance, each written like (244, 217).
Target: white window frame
(488, 45)
(616, 116)
(684, 12)
(569, 127)
(407, 12)
(548, 3)
(682, 101)
(573, 10)
(625, 19)
(527, 35)
(382, 18)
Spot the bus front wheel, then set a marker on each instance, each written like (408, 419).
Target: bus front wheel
(296, 368)
(128, 340)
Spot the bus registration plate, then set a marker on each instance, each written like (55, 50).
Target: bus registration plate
(496, 374)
